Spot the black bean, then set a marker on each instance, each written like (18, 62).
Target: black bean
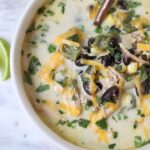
(78, 62)
(99, 85)
(144, 57)
(126, 60)
(107, 60)
(87, 48)
(110, 95)
(122, 4)
(91, 41)
(113, 42)
(132, 50)
(85, 56)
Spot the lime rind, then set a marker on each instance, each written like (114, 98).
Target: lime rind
(4, 59)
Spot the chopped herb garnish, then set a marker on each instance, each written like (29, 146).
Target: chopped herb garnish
(128, 77)
(135, 125)
(51, 48)
(74, 38)
(27, 78)
(84, 123)
(72, 124)
(132, 4)
(62, 5)
(138, 142)
(102, 124)
(100, 2)
(88, 104)
(98, 30)
(118, 68)
(74, 98)
(42, 88)
(81, 122)
(34, 65)
(61, 122)
(31, 28)
(41, 10)
(115, 134)
(112, 10)
(45, 28)
(82, 28)
(119, 117)
(143, 72)
(111, 50)
(140, 113)
(50, 13)
(51, 1)
(61, 112)
(52, 74)
(98, 98)
(111, 146)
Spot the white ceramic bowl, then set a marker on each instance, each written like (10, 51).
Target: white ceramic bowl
(16, 74)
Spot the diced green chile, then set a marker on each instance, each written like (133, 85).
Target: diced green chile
(102, 42)
(71, 52)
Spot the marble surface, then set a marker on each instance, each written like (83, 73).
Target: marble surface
(17, 132)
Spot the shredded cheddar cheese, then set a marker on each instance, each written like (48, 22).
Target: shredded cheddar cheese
(59, 39)
(74, 111)
(93, 11)
(143, 47)
(102, 134)
(55, 61)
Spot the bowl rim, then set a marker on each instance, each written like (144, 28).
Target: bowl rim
(16, 76)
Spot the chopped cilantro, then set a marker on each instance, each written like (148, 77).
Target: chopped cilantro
(139, 112)
(27, 78)
(99, 29)
(41, 10)
(42, 88)
(138, 142)
(115, 134)
(143, 73)
(133, 4)
(51, 1)
(61, 112)
(111, 146)
(51, 48)
(84, 123)
(88, 104)
(74, 38)
(74, 98)
(34, 65)
(62, 5)
(102, 124)
(50, 13)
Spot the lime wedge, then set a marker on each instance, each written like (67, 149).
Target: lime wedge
(4, 59)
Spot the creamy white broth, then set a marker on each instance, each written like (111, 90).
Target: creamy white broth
(51, 103)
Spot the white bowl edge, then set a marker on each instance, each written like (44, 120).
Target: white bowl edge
(16, 76)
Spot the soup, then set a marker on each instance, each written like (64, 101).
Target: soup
(91, 85)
